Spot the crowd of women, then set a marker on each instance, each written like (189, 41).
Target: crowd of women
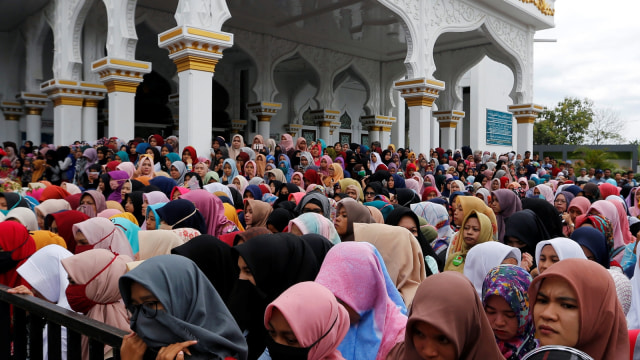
(297, 250)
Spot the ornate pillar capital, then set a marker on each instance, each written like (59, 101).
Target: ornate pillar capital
(120, 75)
(193, 48)
(293, 129)
(12, 110)
(34, 103)
(525, 113)
(238, 125)
(448, 118)
(263, 110)
(419, 92)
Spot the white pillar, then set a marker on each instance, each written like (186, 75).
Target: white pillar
(90, 121)
(419, 95)
(12, 112)
(68, 123)
(34, 104)
(121, 78)
(448, 121)
(374, 134)
(525, 115)
(195, 52)
(264, 111)
(398, 132)
(385, 137)
(324, 118)
(324, 132)
(448, 140)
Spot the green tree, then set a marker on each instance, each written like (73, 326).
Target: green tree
(595, 158)
(566, 124)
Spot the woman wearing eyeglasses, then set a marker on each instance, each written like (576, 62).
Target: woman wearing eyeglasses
(176, 311)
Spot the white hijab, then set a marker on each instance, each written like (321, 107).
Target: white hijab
(484, 257)
(564, 247)
(44, 271)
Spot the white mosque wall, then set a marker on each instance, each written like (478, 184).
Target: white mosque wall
(490, 84)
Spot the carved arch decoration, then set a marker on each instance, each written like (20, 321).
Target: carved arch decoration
(369, 106)
(35, 32)
(296, 51)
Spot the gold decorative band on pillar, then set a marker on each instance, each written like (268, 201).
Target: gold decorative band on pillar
(63, 100)
(324, 123)
(191, 62)
(448, 124)
(264, 117)
(114, 85)
(525, 119)
(91, 103)
(34, 111)
(387, 129)
(375, 128)
(12, 117)
(420, 100)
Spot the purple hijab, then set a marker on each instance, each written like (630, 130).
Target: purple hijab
(120, 177)
(509, 204)
(212, 209)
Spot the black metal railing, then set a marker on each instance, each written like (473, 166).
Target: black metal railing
(21, 334)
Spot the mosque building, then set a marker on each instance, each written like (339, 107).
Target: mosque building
(414, 73)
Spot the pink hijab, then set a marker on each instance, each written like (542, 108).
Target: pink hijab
(127, 167)
(413, 185)
(547, 192)
(526, 183)
(623, 220)
(103, 234)
(287, 143)
(609, 210)
(212, 209)
(355, 275)
(103, 289)
(581, 203)
(155, 197)
(326, 321)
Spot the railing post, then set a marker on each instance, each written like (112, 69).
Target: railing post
(96, 350)
(19, 333)
(74, 345)
(5, 330)
(35, 337)
(54, 341)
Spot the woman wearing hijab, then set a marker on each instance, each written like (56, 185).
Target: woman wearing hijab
(550, 252)
(93, 289)
(437, 316)
(237, 142)
(213, 257)
(314, 223)
(547, 214)
(476, 229)
(157, 242)
(229, 171)
(348, 212)
(504, 203)
(317, 335)
(566, 313)
(100, 233)
(24, 216)
(92, 202)
(45, 274)
(593, 244)
(356, 275)
(334, 175)
(212, 209)
(609, 211)
(256, 213)
(16, 245)
(579, 206)
(133, 203)
(178, 171)
(401, 253)
(181, 213)
(523, 230)
(117, 180)
(176, 309)
(484, 257)
(10, 201)
(269, 264)
(504, 292)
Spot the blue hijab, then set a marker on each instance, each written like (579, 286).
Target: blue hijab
(130, 230)
(234, 170)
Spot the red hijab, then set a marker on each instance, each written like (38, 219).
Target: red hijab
(15, 238)
(65, 221)
(193, 153)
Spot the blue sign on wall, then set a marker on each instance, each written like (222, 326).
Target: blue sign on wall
(499, 128)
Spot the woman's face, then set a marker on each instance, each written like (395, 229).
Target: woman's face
(304, 161)
(471, 232)
(574, 212)
(245, 271)
(296, 180)
(323, 163)
(175, 174)
(141, 296)
(186, 156)
(236, 182)
(408, 223)
(495, 185)
(128, 206)
(164, 151)
(431, 343)
(153, 142)
(40, 217)
(460, 167)
(514, 242)
(454, 187)
(280, 330)
(340, 223)
(374, 158)
(236, 143)
(387, 157)
(502, 318)
(227, 169)
(548, 257)
(484, 181)
(100, 155)
(249, 170)
(147, 167)
(200, 169)
(458, 214)
(352, 193)
(332, 171)
(495, 205)
(88, 200)
(369, 194)
(314, 151)
(248, 215)
(560, 203)
(151, 221)
(101, 186)
(536, 191)
(391, 183)
(149, 151)
(556, 313)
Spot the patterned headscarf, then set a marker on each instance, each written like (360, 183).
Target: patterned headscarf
(511, 283)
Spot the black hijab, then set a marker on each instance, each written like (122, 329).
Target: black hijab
(319, 244)
(136, 200)
(548, 215)
(182, 213)
(214, 259)
(526, 226)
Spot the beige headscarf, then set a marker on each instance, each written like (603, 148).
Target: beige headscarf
(261, 211)
(103, 289)
(401, 253)
(157, 242)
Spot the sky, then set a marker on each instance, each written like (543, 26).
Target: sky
(597, 56)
